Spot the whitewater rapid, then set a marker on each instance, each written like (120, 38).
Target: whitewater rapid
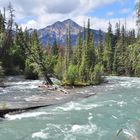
(113, 114)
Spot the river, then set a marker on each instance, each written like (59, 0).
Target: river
(112, 114)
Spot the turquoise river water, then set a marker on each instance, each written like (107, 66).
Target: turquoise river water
(112, 114)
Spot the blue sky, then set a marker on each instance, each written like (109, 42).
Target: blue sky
(114, 10)
(40, 13)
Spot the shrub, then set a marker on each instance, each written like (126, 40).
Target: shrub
(97, 74)
(31, 71)
(72, 74)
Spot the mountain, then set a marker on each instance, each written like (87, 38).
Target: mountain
(58, 31)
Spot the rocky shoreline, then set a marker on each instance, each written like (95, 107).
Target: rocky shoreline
(43, 100)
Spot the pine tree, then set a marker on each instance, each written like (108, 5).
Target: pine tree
(78, 50)
(2, 23)
(89, 57)
(59, 68)
(7, 42)
(68, 49)
(108, 51)
(55, 48)
(117, 32)
(117, 38)
(120, 53)
(100, 48)
(34, 58)
(2, 33)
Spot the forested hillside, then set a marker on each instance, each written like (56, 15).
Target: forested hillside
(84, 64)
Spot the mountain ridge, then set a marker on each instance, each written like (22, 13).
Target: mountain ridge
(58, 31)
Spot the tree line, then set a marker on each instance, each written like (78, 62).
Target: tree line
(116, 53)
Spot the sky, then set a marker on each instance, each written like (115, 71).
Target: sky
(41, 13)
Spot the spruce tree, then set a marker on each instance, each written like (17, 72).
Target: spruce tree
(78, 50)
(68, 49)
(89, 57)
(120, 53)
(34, 59)
(100, 48)
(108, 50)
(55, 48)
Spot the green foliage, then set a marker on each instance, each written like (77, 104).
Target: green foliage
(59, 68)
(88, 56)
(134, 58)
(100, 49)
(96, 76)
(72, 74)
(31, 70)
(108, 51)
(84, 64)
(55, 49)
(68, 49)
(84, 70)
(1, 73)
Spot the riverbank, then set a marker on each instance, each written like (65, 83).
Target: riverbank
(37, 101)
(22, 95)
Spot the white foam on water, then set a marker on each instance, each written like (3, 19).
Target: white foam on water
(69, 137)
(125, 82)
(136, 98)
(84, 129)
(40, 134)
(27, 82)
(77, 106)
(122, 103)
(24, 85)
(114, 117)
(90, 116)
(69, 131)
(24, 115)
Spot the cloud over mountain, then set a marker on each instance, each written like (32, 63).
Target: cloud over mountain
(40, 13)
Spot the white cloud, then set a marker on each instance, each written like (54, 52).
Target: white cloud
(98, 23)
(31, 24)
(110, 14)
(125, 11)
(46, 12)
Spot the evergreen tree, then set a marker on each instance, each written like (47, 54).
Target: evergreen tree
(89, 57)
(2, 33)
(100, 48)
(55, 48)
(90, 49)
(7, 42)
(59, 68)
(120, 53)
(2, 23)
(108, 51)
(117, 32)
(78, 50)
(72, 74)
(34, 58)
(68, 50)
